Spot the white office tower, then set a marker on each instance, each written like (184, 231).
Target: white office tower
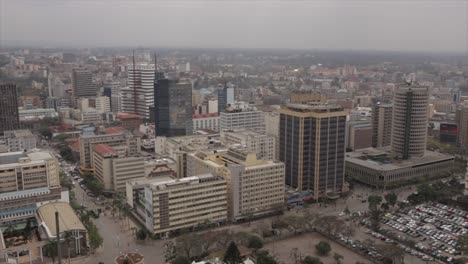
(409, 129)
(241, 115)
(138, 97)
(116, 103)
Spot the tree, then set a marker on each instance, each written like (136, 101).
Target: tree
(374, 201)
(385, 206)
(27, 229)
(375, 216)
(393, 252)
(141, 234)
(95, 239)
(311, 260)
(188, 245)
(181, 260)
(463, 243)
(45, 132)
(323, 248)
(347, 211)
(255, 242)
(263, 257)
(50, 249)
(337, 257)
(391, 198)
(232, 254)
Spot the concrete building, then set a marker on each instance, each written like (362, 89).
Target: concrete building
(114, 167)
(312, 146)
(20, 140)
(37, 114)
(305, 96)
(225, 97)
(212, 106)
(116, 103)
(9, 116)
(461, 119)
(83, 84)
(359, 135)
(241, 115)
(382, 125)
(138, 97)
(103, 104)
(255, 187)
(165, 204)
(263, 145)
(377, 168)
(90, 116)
(173, 107)
(409, 124)
(206, 121)
(87, 143)
(29, 179)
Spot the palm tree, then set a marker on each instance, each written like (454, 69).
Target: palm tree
(50, 249)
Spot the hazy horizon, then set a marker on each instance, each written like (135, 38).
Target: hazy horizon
(407, 26)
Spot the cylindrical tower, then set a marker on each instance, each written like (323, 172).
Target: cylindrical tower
(409, 126)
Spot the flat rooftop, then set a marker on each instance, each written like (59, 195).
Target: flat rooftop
(381, 159)
(315, 107)
(34, 155)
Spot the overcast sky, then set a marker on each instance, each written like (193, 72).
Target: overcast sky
(412, 25)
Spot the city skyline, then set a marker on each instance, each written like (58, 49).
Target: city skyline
(333, 25)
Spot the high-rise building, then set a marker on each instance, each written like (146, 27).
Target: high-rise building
(173, 107)
(409, 125)
(241, 115)
(83, 84)
(103, 104)
(164, 204)
(359, 135)
(382, 125)
(225, 97)
(461, 119)
(9, 114)
(138, 97)
(312, 147)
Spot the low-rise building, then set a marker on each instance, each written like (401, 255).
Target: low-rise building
(206, 121)
(377, 167)
(19, 140)
(255, 187)
(263, 145)
(114, 167)
(37, 113)
(165, 204)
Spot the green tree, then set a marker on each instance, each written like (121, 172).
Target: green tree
(463, 243)
(255, 242)
(45, 132)
(375, 216)
(232, 254)
(181, 260)
(141, 234)
(311, 260)
(323, 248)
(50, 249)
(95, 239)
(263, 257)
(337, 257)
(391, 198)
(374, 201)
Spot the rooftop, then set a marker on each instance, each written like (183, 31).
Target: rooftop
(67, 218)
(33, 155)
(315, 107)
(381, 159)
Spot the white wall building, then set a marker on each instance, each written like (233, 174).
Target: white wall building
(263, 145)
(138, 97)
(103, 104)
(208, 121)
(241, 115)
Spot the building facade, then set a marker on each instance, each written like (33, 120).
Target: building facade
(83, 84)
(263, 145)
(138, 97)
(359, 135)
(461, 119)
(9, 116)
(312, 147)
(206, 121)
(409, 124)
(20, 140)
(164, 204)
(382, 125)
(173, 107)
(241, 115)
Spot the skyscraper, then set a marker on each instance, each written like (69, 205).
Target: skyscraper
(461, 118)
(382, 125)
(312, 147)
(172, 107)
(225, 97)
(83, 84)
(409, 125)
(9, 114)
(139, 97)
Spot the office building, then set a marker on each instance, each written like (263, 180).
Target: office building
(103, 104)
(87, 142)
(116, 103)
(225, 97)
(241, 115)
(19, 140)
(29, 179)
(380, 169)
(138, 97)
(263, 145)
(359, 135)
(312, 147)
(461, 119)
(113, 167)
(206, 121)
(164, 204)
(9, 116)
(83, 84)
(382, 125)
(173, 107)
(255, 187)
(409, 124)
(448, 133)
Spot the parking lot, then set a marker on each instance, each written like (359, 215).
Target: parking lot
(434, 227)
